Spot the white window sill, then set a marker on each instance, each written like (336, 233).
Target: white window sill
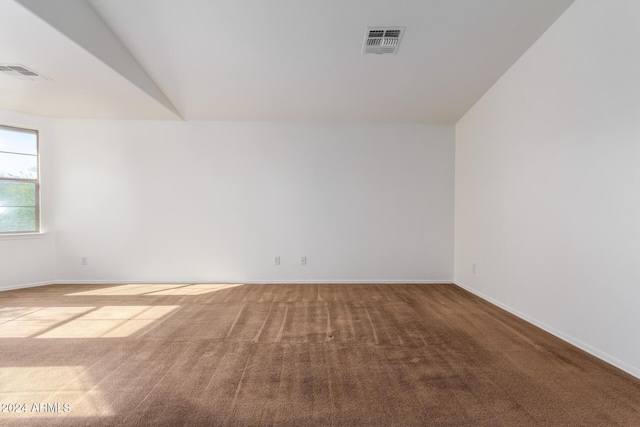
(21, 236)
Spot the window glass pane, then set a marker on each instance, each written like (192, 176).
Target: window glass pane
(17, 219)
(18, 141)
(17, 194)
(19, 210)
(18, 166)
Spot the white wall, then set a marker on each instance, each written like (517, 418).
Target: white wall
(30, 260)
(215, 202)
(548, 183)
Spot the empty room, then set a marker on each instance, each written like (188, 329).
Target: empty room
(319, 213)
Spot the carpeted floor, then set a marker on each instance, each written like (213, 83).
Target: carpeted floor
(292, 355)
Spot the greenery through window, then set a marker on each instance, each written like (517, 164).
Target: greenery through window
(19, 184)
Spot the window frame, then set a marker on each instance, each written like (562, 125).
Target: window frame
(35, 182)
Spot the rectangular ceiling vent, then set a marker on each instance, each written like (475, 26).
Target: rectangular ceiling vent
(381, 40)
(21, 72)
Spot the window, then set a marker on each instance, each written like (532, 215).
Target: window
(19, 183)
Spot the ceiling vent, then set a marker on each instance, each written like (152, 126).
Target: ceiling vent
(21, 72)
(381, 40)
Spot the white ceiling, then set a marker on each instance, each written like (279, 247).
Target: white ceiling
(288, 60)
(81, 85)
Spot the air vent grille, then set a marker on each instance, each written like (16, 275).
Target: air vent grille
(21, 72)
(379, 40)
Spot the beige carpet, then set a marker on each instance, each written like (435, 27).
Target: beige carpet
(292, 355)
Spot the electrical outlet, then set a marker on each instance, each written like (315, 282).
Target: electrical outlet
(276, 261)
(303, 260)
(473, 267)
(84, 260)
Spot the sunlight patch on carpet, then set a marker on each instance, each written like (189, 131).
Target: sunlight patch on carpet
(110, 322)
(157, 289)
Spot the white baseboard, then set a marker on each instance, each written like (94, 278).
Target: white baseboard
(26, 285)
(192, 282)
(563, 336)
(250, 282)
(356, 282)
